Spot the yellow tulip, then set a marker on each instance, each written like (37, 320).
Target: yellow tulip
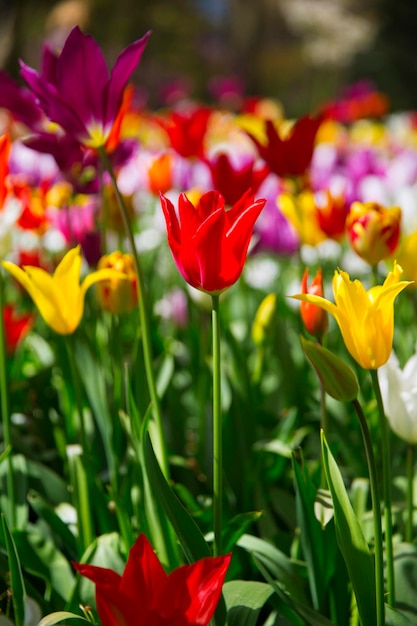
(301, 210)
(60, 297)
(365, 318)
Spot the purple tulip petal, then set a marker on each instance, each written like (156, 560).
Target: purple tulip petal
(52, 103)
(125, 65)
(49, 65)
(82, 76)
(20, 102)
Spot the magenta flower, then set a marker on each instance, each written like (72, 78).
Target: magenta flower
(75, 89)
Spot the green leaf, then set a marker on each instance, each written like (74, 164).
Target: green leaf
(42, 559)
(394, 617)
(294, 610)
(278, 563)
(20, 472)
(244, 601)
(237, 527)
(191, 538)
(95, 387)
(58, 526)
(405, 568)
(351, 541)
(311, 534)
(60, 616)
(17, 583)
(337, 378)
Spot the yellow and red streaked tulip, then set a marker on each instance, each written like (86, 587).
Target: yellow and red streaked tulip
(373, 230)
(365, 318)
(119, 294)
(209, 243)
(314, 318)
(60, 297)
(146, 595)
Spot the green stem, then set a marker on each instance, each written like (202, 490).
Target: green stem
(217, 430)
(410, 493)
(156, 427)
(376, 511)
(70, 348)
(5, 412)
(78, 462)
(386, 476)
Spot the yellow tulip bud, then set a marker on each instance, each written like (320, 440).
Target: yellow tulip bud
(119, 294)
(263, 319)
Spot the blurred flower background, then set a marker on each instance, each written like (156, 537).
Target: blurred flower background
(301, 52)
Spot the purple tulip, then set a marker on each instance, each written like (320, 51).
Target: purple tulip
(75, 89)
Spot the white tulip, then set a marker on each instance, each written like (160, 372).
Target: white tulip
(399, 395)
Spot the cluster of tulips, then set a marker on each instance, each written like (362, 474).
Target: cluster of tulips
(95, 191)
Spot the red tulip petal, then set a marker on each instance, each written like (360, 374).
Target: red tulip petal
(194, 590)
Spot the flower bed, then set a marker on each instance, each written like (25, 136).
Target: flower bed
(182, 440)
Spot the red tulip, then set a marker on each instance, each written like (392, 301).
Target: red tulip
(232, 179)
(5, 147)
(16, 327)
(145, 595)
(290, 155)
(187, 131)
(331, 213)
(209, 243)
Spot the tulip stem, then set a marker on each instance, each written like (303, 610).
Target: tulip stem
(78, 463)
(410, 493)
(386, 475)
(376, 512)
(217, 430)
(69, 344)
(5, 412)
(156, 426)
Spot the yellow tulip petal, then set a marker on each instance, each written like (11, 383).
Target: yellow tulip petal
(67, 279)
(318, 301)
(41, 288)
(104, 274)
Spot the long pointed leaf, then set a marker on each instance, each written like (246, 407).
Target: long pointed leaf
(191, 538)
(16, 578)
(351, 541)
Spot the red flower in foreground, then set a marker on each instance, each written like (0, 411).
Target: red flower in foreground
(290, 155)
(209, 243)
(145, 595)
(314, 318)
(16, 327)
